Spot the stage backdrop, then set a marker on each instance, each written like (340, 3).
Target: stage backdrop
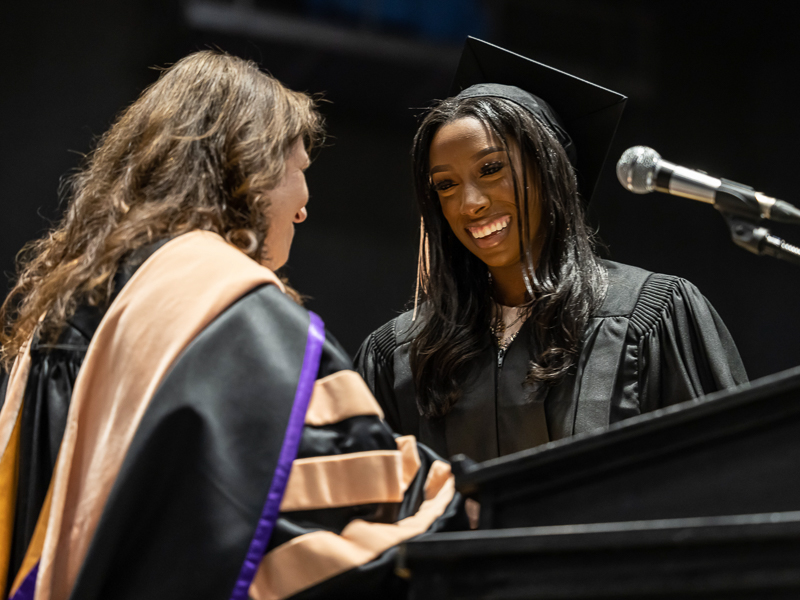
(710, 87)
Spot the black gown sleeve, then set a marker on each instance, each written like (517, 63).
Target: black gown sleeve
(3, 387)
(685, 350)
(54, 368)
(374, 361)
(375, 578)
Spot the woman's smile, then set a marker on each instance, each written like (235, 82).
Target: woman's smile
(489, 233)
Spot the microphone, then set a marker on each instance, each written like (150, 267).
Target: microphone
(641, 170)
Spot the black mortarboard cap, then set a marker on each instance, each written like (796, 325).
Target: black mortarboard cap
(589, 113)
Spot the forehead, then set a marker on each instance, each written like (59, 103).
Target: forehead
(461, 139)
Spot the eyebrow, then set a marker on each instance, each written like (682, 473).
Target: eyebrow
(477, 156)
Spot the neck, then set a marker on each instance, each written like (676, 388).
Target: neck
(508, 285)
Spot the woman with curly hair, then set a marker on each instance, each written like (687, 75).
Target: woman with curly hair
(174, 423)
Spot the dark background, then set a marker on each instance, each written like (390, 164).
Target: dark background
(710, 86)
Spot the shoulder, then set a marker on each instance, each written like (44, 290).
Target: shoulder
(269, 299)
(645, 297)
(268, 314)
(386, 349)
(263, 320)
(400, 331)
(625, 285)
(632, 290)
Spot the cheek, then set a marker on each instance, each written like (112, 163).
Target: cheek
(507, 195)
(453, 224)
(449, 211)
(302, 191)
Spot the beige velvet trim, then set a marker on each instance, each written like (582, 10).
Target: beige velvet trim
(408, 449)
(34, 551)
(15, 392)
(181, 288)
(10, 418)
(375, 476)
(340, 396)
(9, 478)
(314, 557)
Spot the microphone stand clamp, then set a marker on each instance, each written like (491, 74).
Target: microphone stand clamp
(757, 239)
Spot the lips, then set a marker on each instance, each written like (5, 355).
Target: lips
(490, 233)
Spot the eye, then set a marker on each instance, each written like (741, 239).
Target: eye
(441, 186)
(492, 168)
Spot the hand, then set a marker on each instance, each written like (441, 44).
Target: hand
(473, 512)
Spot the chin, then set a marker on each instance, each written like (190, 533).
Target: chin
(499, 261)
(272, 264)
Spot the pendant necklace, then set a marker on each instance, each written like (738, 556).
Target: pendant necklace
(507, 324)
(506, 327)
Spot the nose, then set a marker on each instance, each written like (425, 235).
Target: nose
(475, 201)
(301, 215)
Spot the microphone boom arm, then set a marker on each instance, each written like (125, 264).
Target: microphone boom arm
(757, 239)
(641, 170)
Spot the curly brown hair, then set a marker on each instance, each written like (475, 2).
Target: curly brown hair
(199, 149)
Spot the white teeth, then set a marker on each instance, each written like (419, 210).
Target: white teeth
(482, 232)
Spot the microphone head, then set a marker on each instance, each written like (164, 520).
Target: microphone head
(636, 169)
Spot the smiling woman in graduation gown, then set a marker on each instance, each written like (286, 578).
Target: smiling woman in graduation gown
(499, 174)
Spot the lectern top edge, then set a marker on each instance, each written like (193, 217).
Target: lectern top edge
(721, 411)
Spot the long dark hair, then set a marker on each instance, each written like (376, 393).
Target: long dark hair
(567, 281)
(199, 149)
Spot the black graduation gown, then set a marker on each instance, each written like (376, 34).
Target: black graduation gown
(655, 341)
(191, 490)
